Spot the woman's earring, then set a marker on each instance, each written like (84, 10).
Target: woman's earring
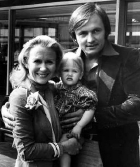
(75, 41)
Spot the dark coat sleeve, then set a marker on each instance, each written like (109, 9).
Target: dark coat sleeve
(129, 110)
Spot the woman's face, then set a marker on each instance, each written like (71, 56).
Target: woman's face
(91, 36)
(41, 64)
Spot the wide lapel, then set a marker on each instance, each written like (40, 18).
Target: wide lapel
(47, 112)
(47, 124)
(107, 74)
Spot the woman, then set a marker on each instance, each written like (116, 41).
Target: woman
(37, 132)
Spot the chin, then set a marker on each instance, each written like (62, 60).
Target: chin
(42, 82)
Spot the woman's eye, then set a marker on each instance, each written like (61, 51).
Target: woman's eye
(37, 61)
(82, 33)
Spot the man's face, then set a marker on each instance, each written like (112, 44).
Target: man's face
(91, 36)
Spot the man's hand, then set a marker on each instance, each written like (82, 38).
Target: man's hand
(71, 119)
(8, 118)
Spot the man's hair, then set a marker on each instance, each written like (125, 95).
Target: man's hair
(82, 15)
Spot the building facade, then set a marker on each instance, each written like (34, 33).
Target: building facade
(23, 20)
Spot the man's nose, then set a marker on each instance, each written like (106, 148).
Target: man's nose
(90, 37)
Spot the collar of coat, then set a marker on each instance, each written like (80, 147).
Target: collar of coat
(108, 71)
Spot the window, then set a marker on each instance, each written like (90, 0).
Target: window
(133, 25)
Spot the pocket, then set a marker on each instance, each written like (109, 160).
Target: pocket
(89, 156)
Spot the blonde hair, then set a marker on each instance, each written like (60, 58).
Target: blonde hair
(17, 76)
(72, 56)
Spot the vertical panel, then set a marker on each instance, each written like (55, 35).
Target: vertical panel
(3, 50)
(11, 36)
(133, 25)
(120, 22)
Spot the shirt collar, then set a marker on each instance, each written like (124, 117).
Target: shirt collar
(109, 50)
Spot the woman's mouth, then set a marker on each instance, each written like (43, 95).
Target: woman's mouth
(43, 75)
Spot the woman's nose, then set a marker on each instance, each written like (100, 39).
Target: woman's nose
(43, 66)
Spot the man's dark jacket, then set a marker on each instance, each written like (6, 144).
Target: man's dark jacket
(118, 110)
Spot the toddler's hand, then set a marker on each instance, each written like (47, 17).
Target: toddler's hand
(76, 131)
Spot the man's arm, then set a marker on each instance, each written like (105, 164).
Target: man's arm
(8, 118)
(71, 119)
(129, 110)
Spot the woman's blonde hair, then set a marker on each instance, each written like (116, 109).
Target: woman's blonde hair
(20, 74)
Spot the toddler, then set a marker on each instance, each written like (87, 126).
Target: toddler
(72, 95)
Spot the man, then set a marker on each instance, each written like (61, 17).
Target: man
(114, 72)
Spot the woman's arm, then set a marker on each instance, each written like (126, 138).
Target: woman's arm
(24, 137)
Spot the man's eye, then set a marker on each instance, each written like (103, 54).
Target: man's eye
(50, 62)
(97, 31)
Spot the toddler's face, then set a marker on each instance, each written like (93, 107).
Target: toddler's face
(70, 73)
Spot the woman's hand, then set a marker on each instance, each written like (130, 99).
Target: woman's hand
(71, 119)
(70, 146)
(8, 118)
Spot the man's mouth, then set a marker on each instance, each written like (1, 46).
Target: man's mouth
(92, 46)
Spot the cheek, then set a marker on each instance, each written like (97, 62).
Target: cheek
(31, 68)
(62, 75)
(102, 42)
(31, 71)
(101, 37)
(53, 68)
(80, 41)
